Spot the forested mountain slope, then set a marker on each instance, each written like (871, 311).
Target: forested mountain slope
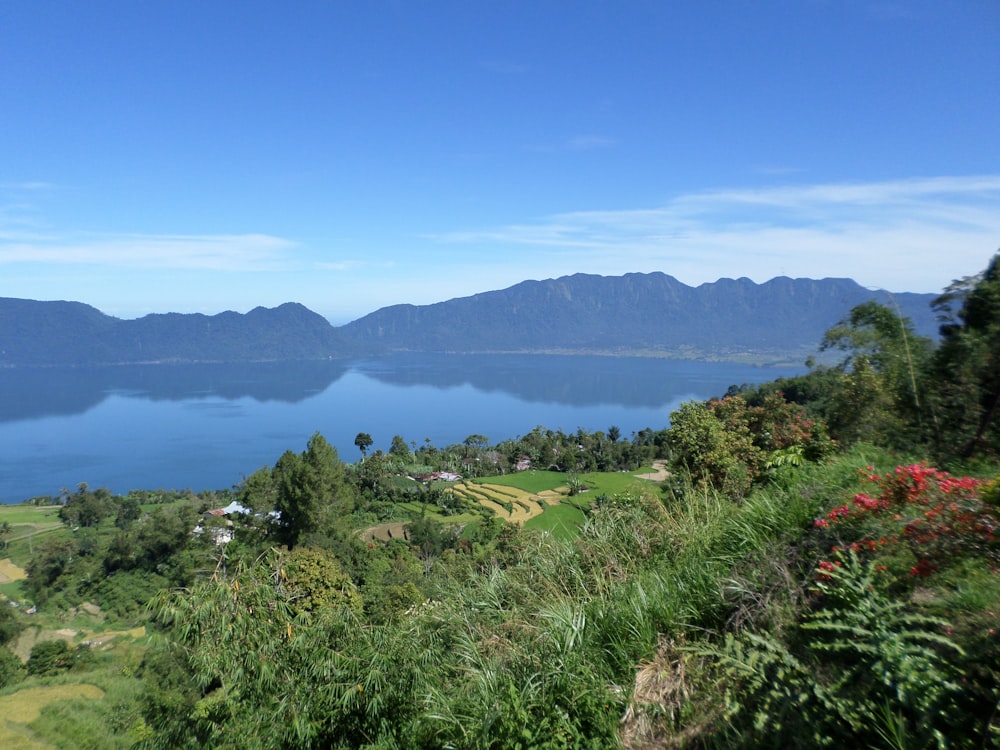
(70, 333)
(636, 313)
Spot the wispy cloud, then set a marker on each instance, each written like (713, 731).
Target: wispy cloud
(338, 265)
(914, 234)
(32, 185)
(229, 252)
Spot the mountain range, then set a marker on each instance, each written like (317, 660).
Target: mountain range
(636, 314)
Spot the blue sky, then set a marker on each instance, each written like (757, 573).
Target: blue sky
(203, 156)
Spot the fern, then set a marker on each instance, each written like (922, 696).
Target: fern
(876, 673)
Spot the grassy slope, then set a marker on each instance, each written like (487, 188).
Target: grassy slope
(27, 525)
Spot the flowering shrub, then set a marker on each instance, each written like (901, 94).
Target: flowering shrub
(930, 512)
(778, 424)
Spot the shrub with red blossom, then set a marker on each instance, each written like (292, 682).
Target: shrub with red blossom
(932, 513)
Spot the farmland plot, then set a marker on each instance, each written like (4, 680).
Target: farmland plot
(509, 503)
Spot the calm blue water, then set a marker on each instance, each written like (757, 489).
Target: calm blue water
(207, 427)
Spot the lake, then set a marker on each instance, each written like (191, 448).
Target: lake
(209, 426)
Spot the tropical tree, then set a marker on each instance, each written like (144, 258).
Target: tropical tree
(50, 657)
(712, 442)
(364, 441)
(316, 581)
(129, 511)
(311, 490)
(10, 625)
(875, 395)
(51, 559)
(399, 449)
(476, 442)
(85, 508)
(258, 491)
(965, 371)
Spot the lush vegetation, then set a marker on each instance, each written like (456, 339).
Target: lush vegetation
(807, 563)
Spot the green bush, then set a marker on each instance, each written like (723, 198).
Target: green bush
(50, 657)
(11, 669)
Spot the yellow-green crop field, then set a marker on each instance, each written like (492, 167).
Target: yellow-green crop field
(509, 503)
(19, 709)
(10, 572)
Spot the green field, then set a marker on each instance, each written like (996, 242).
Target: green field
(529, 481)
(27, 523)
(29, 514)
(613, 482)
(607, 482)
(562, 521)
(25, 706)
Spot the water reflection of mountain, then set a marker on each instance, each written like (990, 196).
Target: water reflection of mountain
(33, 393)
(575, 380)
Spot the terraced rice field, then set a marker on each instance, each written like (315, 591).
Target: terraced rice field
(509, 503)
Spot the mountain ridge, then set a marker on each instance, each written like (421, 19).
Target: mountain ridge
(638, 314)
(34, 333)
(653, 314)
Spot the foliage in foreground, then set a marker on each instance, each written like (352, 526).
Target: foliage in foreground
(792, 602)
(531, 642)
(870, 666)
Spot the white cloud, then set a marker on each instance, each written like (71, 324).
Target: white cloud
(903, 235)
(228, 252)
(31, 185)
(339, 265)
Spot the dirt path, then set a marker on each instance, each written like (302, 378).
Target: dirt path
(658, 474)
